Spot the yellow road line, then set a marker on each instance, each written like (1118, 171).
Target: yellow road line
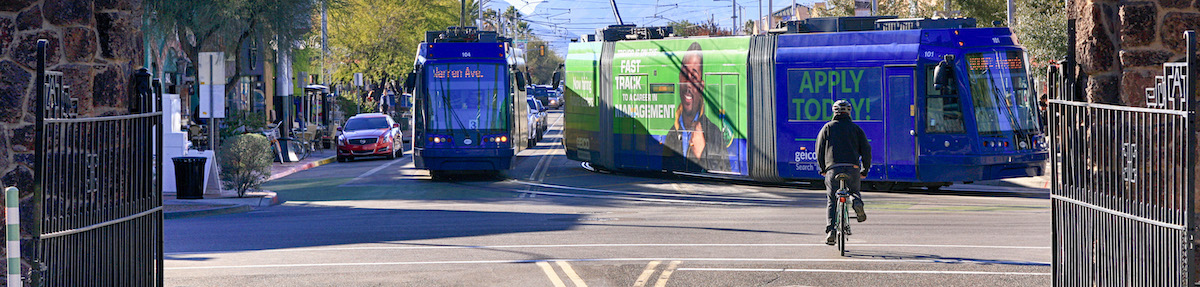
(550, 273)
(666, 274)
(571, 273)
(646, 273)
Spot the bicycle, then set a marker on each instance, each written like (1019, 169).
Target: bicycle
(842, 218)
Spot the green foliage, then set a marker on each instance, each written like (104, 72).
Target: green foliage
(226, 24)
(379, 37)
(541, 67)
(985, 11)
(1041, 26)
(351, 105)
(708, 28)
(240, 122)
(245, 162)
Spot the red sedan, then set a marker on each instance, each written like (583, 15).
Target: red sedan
(369, 135)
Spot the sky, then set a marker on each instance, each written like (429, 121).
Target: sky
(559, 21)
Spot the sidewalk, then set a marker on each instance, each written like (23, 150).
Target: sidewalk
(183, 208)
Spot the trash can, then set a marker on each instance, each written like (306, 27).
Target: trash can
(189, 177)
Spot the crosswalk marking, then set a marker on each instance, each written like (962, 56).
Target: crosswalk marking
(550, 273)
(666, 274)
(646, 273)
(566, 267)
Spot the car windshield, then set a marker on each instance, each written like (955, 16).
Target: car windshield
(467, 96)
(1000, 92)
(538, 92)
(371, 123)
(532, 104)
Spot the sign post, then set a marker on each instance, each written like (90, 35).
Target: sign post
(212, 79)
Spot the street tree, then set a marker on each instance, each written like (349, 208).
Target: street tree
(1041, 26)
(379, 38)
(542, 61)
(225, 25)
(710, 27)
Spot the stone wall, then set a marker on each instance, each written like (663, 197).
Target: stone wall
(97, 44)
(1121, 45)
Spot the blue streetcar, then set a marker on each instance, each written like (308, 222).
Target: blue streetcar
(469, 102)
(940, 100)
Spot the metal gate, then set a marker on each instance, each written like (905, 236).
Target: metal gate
(98, 202)
(1123, 185)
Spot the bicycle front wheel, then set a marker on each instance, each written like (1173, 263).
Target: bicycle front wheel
(842, 226)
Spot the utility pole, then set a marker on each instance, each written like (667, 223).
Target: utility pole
(324, 40)
(1011, 9)
(734, 27)
(758, 22)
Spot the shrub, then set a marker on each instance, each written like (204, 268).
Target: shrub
(245, 162)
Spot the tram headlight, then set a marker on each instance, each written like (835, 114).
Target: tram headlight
(437, 140)
(503, 139)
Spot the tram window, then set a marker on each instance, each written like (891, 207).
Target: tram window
(943, 111)
(952, 85)
(944, 114)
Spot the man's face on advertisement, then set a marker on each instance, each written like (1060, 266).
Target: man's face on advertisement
(691, 83)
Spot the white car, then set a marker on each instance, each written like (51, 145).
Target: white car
(537, 122)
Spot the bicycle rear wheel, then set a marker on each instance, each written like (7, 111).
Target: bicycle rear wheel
(841, 228)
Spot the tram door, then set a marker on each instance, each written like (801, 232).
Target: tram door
(901, 124)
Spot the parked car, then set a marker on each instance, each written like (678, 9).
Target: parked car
(537, 122)
(369, 135)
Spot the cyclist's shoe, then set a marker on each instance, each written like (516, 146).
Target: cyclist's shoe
(831, 238)
(859, 213)
(848, 232)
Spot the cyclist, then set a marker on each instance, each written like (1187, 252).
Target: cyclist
(841, 147)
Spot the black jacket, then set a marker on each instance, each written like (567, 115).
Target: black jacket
(841, 141)
(714, 157)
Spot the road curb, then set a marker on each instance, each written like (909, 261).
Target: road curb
(304, 167)
(235, 208)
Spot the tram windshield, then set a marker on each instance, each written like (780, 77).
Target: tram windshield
(1000, 92)
(467, 96)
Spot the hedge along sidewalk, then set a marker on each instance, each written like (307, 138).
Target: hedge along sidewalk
(316, 158)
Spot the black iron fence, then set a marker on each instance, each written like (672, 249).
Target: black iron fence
(100, 216)
(1123, 186)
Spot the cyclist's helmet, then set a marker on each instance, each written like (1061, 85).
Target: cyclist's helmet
(841, 107)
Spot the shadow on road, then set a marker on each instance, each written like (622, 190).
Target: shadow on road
(294, 226)
(888, 255)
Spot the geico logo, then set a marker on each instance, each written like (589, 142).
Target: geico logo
(806, 156)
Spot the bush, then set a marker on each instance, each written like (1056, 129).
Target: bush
(245, 162)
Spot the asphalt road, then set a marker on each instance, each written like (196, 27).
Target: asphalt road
(551, 222)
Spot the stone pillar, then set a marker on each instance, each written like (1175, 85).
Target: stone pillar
(97, 44)
(1121, 45)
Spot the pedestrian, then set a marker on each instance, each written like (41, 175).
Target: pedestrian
(1043, 103)
(841, 147)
